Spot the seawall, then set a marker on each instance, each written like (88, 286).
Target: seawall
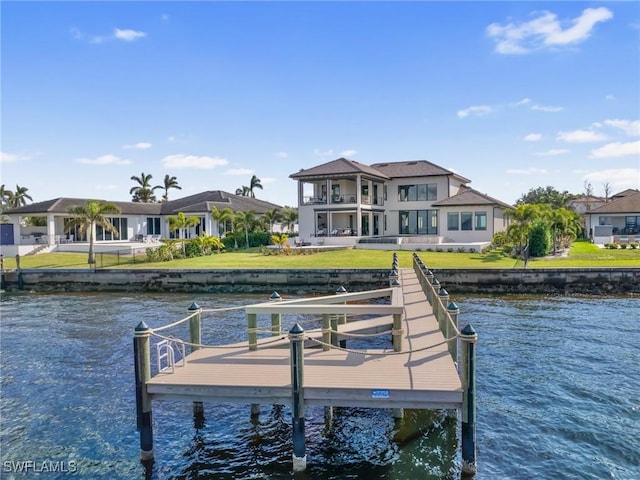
(530, 281)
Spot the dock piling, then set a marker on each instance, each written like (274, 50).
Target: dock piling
(195, 338)
(469, 338)
(142, 363)
(296, 337)
(276, 318)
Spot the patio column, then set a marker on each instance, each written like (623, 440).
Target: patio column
(51, 229)
(358, 203)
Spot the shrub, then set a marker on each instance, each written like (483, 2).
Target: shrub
(500, 239)
(634, 245)
(623, 246)
(540, 240)
(611, 246)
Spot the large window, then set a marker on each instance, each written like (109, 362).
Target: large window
(421, 192)
(466, 221)
(418, 222)
(481, 220)
(120, 225)
(453, 221)
(153, 225)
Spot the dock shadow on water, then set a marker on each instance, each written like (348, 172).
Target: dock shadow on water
(362, 444)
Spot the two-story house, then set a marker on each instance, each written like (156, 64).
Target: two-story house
(395, 203)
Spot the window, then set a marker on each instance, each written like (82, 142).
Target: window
(422, 222)
(153, 225)
(453, 221)
(422, 192)
(481, 221)
(466, 221)
(121, 226)
(432, 191)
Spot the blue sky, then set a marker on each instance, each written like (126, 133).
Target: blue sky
(512, 95)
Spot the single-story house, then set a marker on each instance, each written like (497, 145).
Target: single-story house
(136, 222)
(617, 221)
(413, 203)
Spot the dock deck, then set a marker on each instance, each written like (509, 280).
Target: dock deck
(416, 377)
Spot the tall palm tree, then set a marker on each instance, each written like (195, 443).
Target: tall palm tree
(247, 221)
(290, 218)
(272, 216)
(87, 217)
(5, 195)
(522, 218)
(253, 184)
(221, 217)
(180, 222)
(19, 197)
(169, 182)
(143, 192)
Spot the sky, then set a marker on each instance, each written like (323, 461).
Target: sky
(511, 95)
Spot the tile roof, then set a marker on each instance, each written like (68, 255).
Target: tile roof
(414, 168)
(341, 166)
(629, 203)
(62, 205)
(468, 197)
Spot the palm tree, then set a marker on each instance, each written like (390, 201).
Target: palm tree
(243, 192)
(272, 216)
(246, 220)
(180, 222)
(280, 240)
(169, 182)
(254, 183)
(5, 195)
(19, 197)
(143, 192)
(522, 218)
(221, 217)
(290, 218)
(87, 217)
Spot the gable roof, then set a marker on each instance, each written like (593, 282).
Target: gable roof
(624, 193)
(198, 203)
(341, 166)
(629, 203)
(415, 168)
(469, 197)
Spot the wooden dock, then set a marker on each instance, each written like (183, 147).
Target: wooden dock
(417, 372)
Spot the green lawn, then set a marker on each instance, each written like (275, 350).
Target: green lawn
(581, 254)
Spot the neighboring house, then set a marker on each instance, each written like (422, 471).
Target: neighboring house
(585, 203)
(136, 222)
(415, 202)
(616, 221)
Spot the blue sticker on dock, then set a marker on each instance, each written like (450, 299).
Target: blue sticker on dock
(379, 393)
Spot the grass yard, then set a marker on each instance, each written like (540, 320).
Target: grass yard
(581, 254)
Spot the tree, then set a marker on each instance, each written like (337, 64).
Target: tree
(271, 216)
(606, 188)
(221, 217)
(247, 221)
(143, 192)
(290, 218)
(87, 217)
(280, 240)
(243, 191)
(546, 195)
(169, 182)
(253, 184)
(521, 218)
(179, 223)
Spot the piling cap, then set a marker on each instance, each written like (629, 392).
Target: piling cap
(393, 273)
(395, 282)
(296, 329)
(341, 289)
(468, 330)
(275, 296)
(442, 292)
(142, 327)
(452, 306)
(428, 273)
(193, 306)
(435, 282)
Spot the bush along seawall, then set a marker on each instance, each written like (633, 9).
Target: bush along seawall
(589, 281)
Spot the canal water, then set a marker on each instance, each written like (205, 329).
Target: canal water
(557, 385)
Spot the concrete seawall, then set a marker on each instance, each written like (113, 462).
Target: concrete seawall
(534, 281)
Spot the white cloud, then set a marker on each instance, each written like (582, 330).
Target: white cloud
(137, 146)
(581, 136)
(618, 178)
(128, 35)
(171, 138)
(239, 171)
(104, 160)
(320, 153)
(627, 126)
(193, 161)
(6, 157)
(528, 171)
(165, 17)
(282, 155)
(543, 108)
(477, 110)
(533, 137)
(348, 153)
(524, 101)
(609, 97)
(545, 30)
(553, 152)
(616, 149)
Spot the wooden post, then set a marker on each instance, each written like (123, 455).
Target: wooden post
(296, 338)
(342, 318)
(442, 301)
(276, 318)
(142, 364)
(195, 338)
(454, 311)
(326, 331)
(19, 273)
(469, 338)
(252, 327)
(396, 332)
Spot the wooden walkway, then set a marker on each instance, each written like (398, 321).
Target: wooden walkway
(410, 379)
